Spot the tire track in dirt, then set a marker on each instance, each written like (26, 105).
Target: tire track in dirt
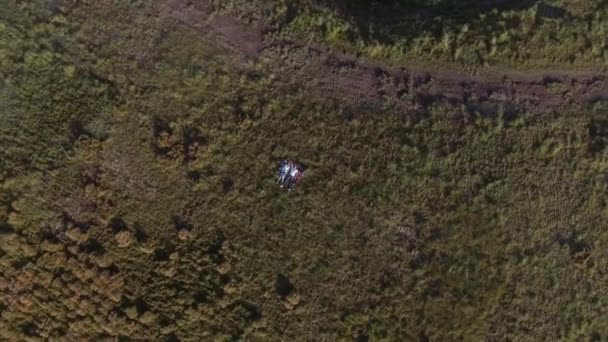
(322, 72)
(350, 78)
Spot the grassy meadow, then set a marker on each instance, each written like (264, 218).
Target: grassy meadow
(138, 199)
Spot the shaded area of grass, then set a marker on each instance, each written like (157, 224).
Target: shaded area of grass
(469, 34)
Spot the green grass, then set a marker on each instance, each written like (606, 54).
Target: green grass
(138, 200)
(537, 35)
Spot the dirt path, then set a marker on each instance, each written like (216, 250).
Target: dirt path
(347, 77)
(322, 72)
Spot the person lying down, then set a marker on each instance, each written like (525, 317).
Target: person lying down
(289, 174)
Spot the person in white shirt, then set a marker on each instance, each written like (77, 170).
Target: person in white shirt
(284, 171)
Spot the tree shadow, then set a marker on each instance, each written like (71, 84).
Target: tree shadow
(384, 21)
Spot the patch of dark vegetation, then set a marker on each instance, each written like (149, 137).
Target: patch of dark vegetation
(225, 278)
(551, 79)
(68, 221)
(422, 13)
(575, 246)
(77, 130)
(112, 92)
(161, 255)
(597, 97)
(283, 286)
(20, 263)
(117, 224)
(160, 127)
(193, 175)
(140, 234)
(251, 311)
(93, 247)
(227, 185)
(598, 135)
(215, 249)
(112, 270)
(348, 115)
(595, 337)
(141, 305)
(30, 329)
(486, 108)
(199, 297)
(164, 321)
(192, 139)
(545, 10)
(58, 272)
(172, 337)
(6, 228)
(362, 337)
(181, 224)
(91, 176)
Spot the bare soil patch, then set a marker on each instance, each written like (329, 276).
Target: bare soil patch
(233, 33)
(226, 30)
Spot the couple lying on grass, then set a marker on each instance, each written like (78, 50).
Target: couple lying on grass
(289, 174)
